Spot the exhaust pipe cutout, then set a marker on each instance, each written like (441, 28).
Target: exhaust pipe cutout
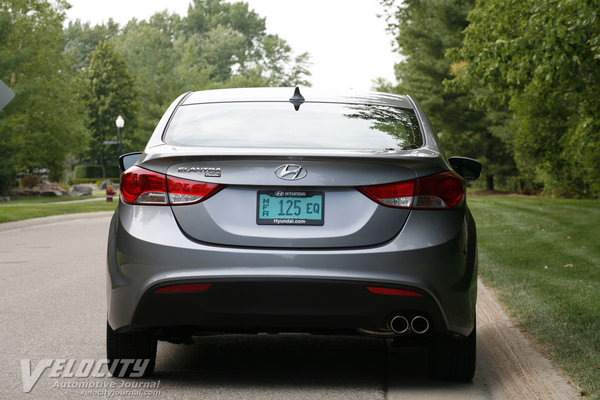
(419, 325)
(399, 324)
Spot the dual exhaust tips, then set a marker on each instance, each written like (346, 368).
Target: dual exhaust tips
(399, 324)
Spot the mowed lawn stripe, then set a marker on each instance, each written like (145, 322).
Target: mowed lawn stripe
(20, 210)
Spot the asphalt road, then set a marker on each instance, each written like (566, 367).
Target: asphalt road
(52, 291)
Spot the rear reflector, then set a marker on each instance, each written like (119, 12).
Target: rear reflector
(141, 186)
(187, 288)
(445, 190)
(393, 292)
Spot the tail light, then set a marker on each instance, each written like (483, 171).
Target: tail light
(445, 190)
(441, 191)
(182, 191)
(140, 186)
(398, 195)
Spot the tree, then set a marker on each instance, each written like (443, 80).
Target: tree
(232, 42)
(8, 149)
(205, 15)
(81, 39)
(541, 61)
(110, 92)
(43, 124)
(216, 45)
(424, 31)
(221, 49)
(150, 53)
(282, 70)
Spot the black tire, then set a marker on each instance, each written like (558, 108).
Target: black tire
(139, 346)
(453, 359)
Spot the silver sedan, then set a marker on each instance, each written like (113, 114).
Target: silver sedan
(288, 210)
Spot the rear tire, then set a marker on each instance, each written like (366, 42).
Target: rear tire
(136, 346)
(453, 359)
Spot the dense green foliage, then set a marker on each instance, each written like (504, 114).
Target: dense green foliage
(541, 60)
(215, 45)
(87, 171)
(71, 83)
(543, 257)
(518, 78)
(42, 124)
(424, 30)
(109, 91)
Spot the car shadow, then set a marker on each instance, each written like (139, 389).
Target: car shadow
(299, 364)
(408, 373)
(287, 360)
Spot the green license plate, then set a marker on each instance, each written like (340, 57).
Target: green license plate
(289, 207)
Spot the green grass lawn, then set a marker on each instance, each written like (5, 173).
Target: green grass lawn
(45, 206)
(543, 258)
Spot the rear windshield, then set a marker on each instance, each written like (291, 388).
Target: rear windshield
(279, 125)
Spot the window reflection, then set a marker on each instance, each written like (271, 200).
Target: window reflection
(396, 122)
(278, 125)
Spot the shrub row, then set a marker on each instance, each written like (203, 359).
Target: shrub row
(88, 171)
(95, 181)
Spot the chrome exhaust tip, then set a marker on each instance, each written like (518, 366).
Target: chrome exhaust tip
(399, 324)
(419, 324)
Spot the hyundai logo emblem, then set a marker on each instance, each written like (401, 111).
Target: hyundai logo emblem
(290, 172)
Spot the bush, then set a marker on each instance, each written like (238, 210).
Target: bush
(87, 171)
(94, 181)
(113, 170)
(30, 181)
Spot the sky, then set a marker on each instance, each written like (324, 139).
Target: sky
(348, 43)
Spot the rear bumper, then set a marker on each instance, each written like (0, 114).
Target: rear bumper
(298, 305)
(297, 290)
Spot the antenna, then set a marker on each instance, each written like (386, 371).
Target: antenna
(297, 99)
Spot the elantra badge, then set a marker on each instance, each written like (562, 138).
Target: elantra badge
(209, 172)
(290, 172)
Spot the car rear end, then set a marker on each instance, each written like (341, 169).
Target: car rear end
(253, 212)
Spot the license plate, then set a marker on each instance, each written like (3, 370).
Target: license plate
(283, 207)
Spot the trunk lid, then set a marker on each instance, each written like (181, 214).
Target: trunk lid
(349, 218)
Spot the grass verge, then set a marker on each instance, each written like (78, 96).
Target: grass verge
(543, 257)
(18, 210)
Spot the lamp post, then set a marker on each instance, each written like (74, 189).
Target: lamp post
(120, 122)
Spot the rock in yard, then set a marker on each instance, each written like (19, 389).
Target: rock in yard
(50, 189)
(80, 190)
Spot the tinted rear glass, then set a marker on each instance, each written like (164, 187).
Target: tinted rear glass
(278, 125)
